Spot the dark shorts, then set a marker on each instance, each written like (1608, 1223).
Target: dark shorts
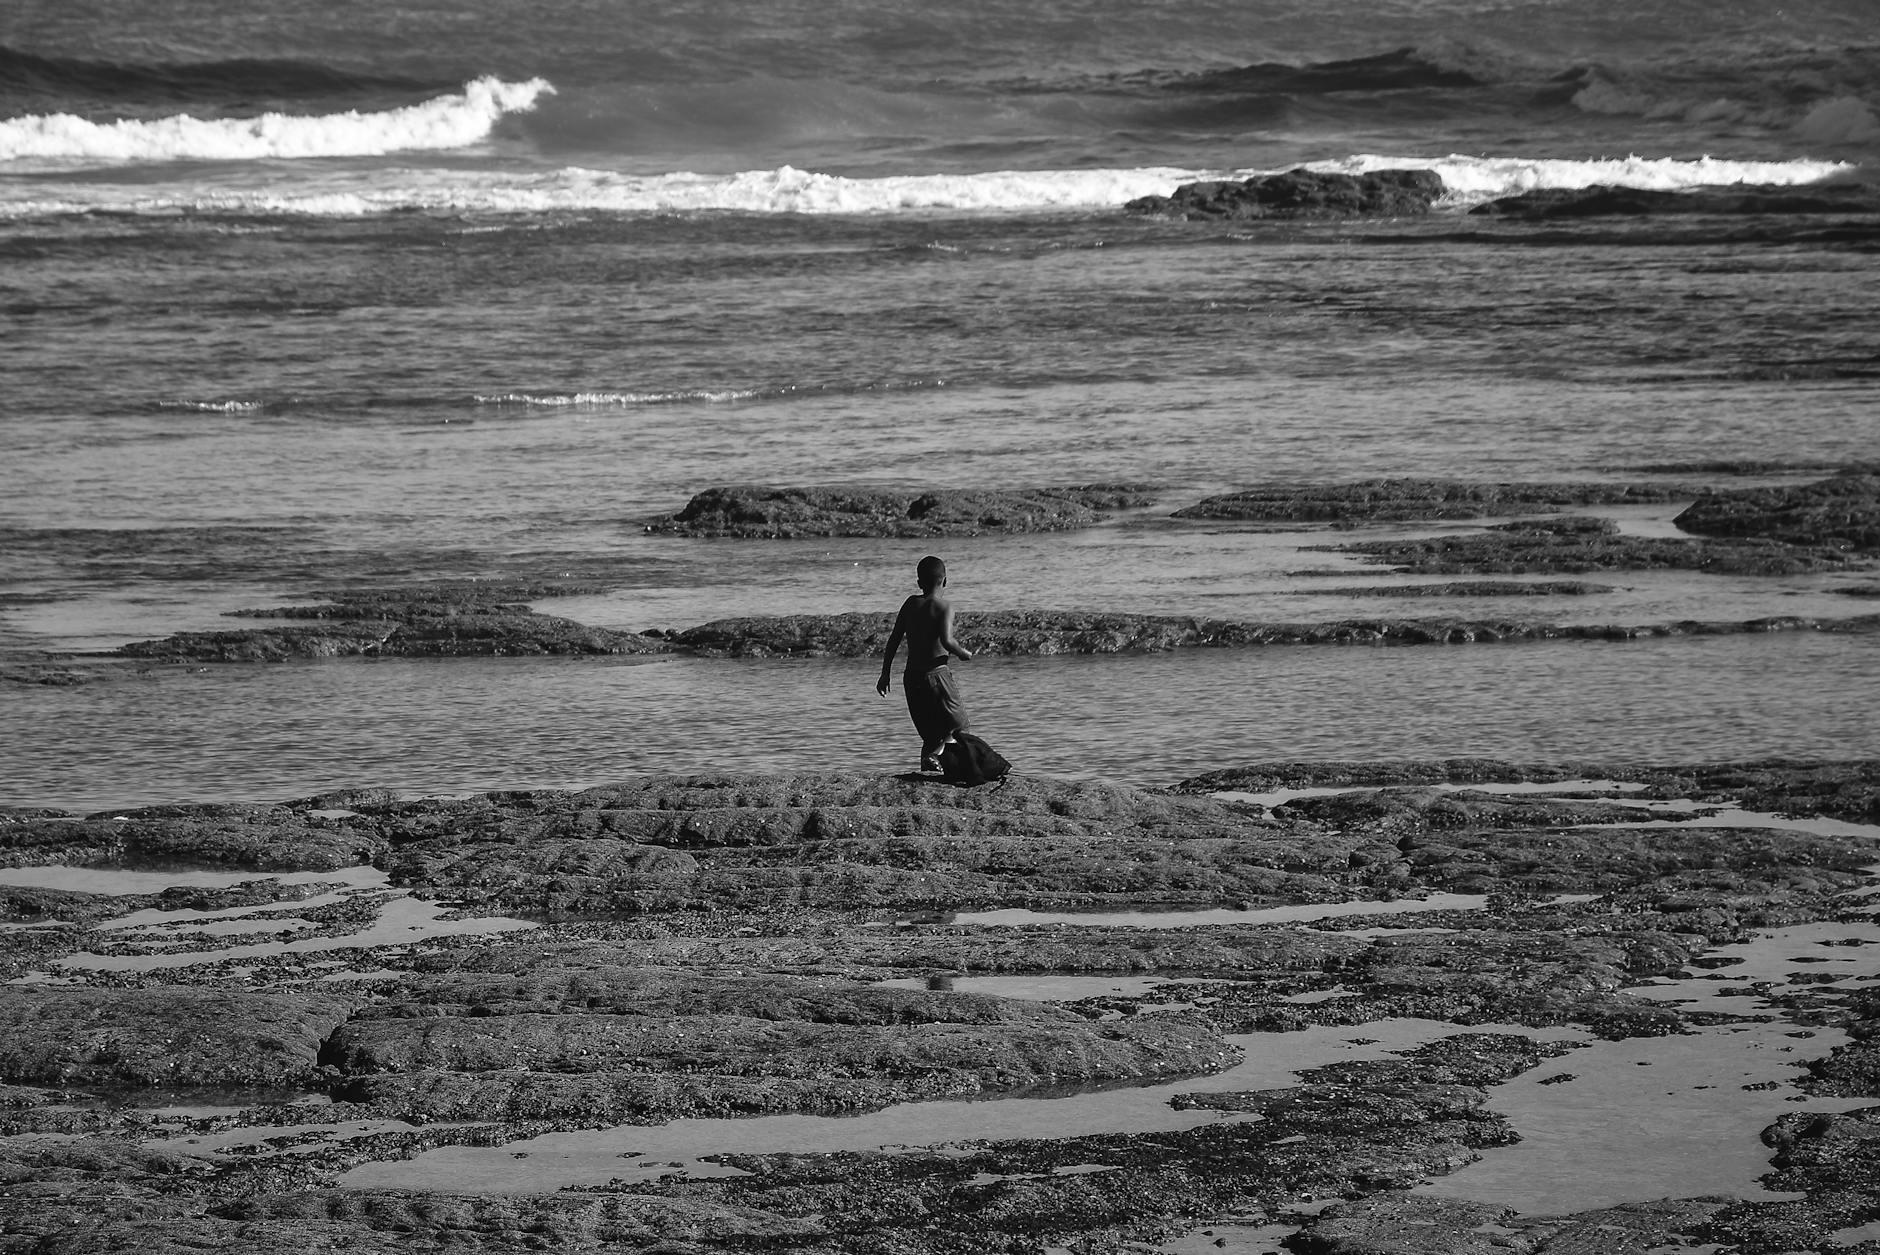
(933, 701)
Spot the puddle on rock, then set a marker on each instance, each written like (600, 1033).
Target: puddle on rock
(1667, 1117)
(1297, 914)
(1279, 797)
(637, 1153)
(285, 1139)
(401, 921)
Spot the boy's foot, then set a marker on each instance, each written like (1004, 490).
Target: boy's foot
(930, 764)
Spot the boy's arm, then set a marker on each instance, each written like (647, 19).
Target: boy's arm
(894, 645)
(946, 636)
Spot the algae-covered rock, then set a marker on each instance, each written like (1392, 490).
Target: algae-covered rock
(784, 513)
(264, 838)
(1841, 512)
(446, 619)
(163, 1037)
(1832, 1159)
(847, 842)
(603, 1068)
(479, 635)
(1572, 545)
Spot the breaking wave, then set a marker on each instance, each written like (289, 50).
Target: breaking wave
(444, 122)
(787, 190)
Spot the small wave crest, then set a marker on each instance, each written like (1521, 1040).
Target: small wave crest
(212, 407)
(1402, 70)
(451, 121)
(691, 396)
(602, 400)
(26, 77)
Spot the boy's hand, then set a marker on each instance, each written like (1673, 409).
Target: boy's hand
(881, 686)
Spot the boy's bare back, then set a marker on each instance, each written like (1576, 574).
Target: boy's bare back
(926, 619)
(926, 624)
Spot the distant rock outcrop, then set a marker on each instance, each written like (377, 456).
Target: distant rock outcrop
(752, 511)
(1300, 193)
(425, 621)
(1842, 512)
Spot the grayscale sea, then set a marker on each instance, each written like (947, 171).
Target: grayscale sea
(305, 297)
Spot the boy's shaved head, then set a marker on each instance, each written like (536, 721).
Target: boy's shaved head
(930, 573)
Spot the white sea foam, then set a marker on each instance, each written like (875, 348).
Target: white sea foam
(787, 190)
(602, 399)
(453, 121)
(211, 407)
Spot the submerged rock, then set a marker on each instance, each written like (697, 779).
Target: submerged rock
(1475, 588)
(441, 599)
(783, 513)
(1300, 193)
(1606, 200)
(1380, 500)
(49, 675)
(1575, 545)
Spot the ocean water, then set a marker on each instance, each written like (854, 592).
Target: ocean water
(301, 297)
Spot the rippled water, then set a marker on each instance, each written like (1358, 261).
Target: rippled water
(277, 732)
(493, 353)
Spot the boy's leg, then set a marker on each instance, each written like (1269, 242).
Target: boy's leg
(933, 702)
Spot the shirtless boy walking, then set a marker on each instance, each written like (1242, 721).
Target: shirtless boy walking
(926, 620)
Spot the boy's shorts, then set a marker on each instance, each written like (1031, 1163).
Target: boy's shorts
(933, 701)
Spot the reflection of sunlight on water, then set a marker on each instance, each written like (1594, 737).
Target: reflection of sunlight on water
(275, 732)
(401, 921)
(168, 938)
